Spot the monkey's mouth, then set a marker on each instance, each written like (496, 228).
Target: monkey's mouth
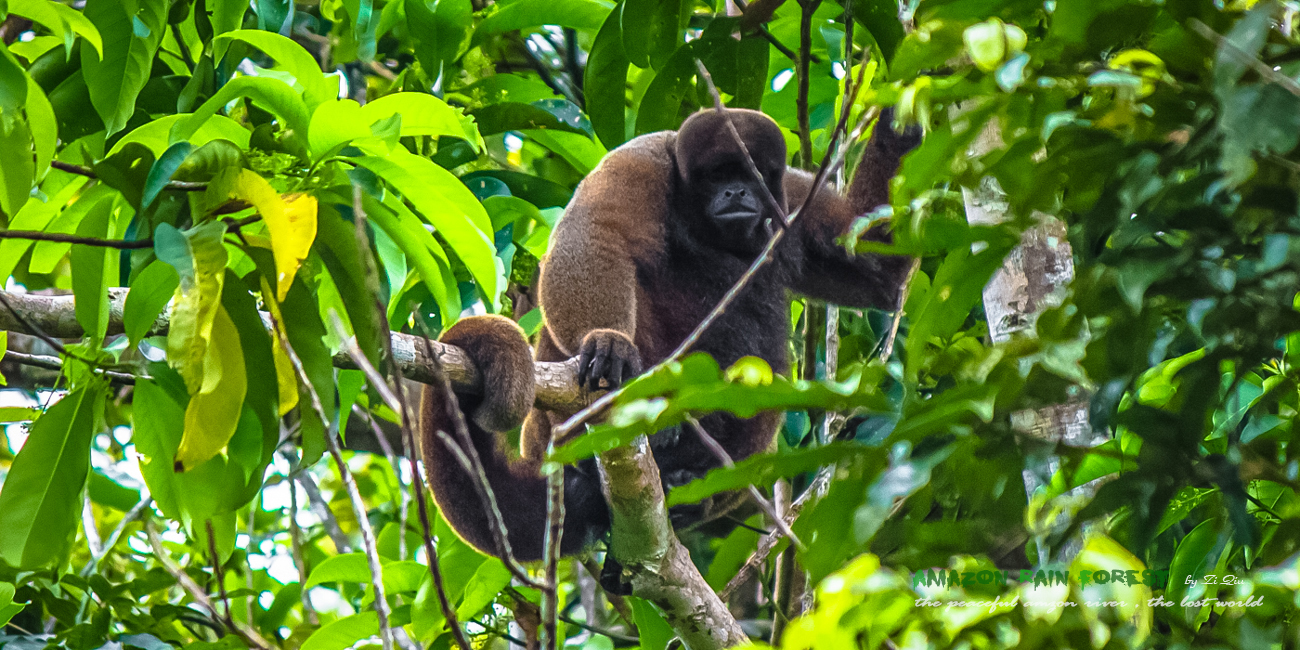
(736, 215)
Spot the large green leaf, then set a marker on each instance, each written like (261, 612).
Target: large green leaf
(150, 292)
(447, 204)
(200, 260)
(343, 633)
(336, 123)
(131, 40)
(605, 83)
(17, 168)
(8, 608)
(92, 271)
(60, 19)
(422, 250)
(441, 29)
(156, 135)
(578, 14)
(274, 95)
(216, 404)
(291, 57)
(40, 504)
(763, 469)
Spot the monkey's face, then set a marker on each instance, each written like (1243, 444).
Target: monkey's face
(730, 206)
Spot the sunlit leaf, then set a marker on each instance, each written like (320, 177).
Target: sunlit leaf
(131, 40)
(213, 411)
(41, 499)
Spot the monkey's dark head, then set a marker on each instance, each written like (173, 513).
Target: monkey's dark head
(723, 200)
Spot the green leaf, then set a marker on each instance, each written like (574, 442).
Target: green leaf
(271, 94)
(336, 123)
(132, 39)
(661, 106)
(59, 19)
(605, 82)
(655, 633)
(447, 204)
(162, 171)
(40, 503)
(8, 608)
(422, 250)
(150, 292)
(200, 261)
(578, 14)
(13, 83)
(763, 469)
(17, 168)
(44, 126)
(441, 34)
(92, 268)
(156, 134)
(557, 114)
(488, 580)
(346, 567)
(215, 405)
(343, 633)
(651, 29)
(291, 57)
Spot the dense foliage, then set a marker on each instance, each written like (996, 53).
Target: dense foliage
(312, 159)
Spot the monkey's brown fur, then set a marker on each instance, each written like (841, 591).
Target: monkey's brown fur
(642, 254)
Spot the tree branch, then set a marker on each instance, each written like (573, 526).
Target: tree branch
(661, 569)
(557, 382)
(82, 170)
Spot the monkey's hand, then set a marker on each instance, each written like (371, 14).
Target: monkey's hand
(607, 355)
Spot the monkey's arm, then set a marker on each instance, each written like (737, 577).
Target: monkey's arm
(588, 283)
(829, 272)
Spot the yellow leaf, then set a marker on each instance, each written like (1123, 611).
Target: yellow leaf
(290, 221)
(285, 377)
(213, 412)
(291, 238)
(200, 259)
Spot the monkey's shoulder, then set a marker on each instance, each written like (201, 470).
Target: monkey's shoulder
(624, 201)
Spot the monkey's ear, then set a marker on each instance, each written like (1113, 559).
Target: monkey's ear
(505, 361)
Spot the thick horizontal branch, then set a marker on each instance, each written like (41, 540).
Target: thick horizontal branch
(557, 382)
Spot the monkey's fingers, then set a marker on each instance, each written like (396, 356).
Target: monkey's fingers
(600, 364)
(584, 362)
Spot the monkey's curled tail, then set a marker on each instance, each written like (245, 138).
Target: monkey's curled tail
(501, 352)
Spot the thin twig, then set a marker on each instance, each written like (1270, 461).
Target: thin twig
(248, 634)
(53, 363)
(769, 542)
(780, 47)
(321, 508)
(299, 559)
(754, 174)
(763, 504)
(404, 496)
(354, 494)
(218, 574)
(435, 566)
(806, 8)
(82, 170)
(613, 636)
(550, 568)
(887, 348)
(130, 516)
(118, 244)
(467, 455)
(834, 156)
(1265, 70)
(36, 235)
